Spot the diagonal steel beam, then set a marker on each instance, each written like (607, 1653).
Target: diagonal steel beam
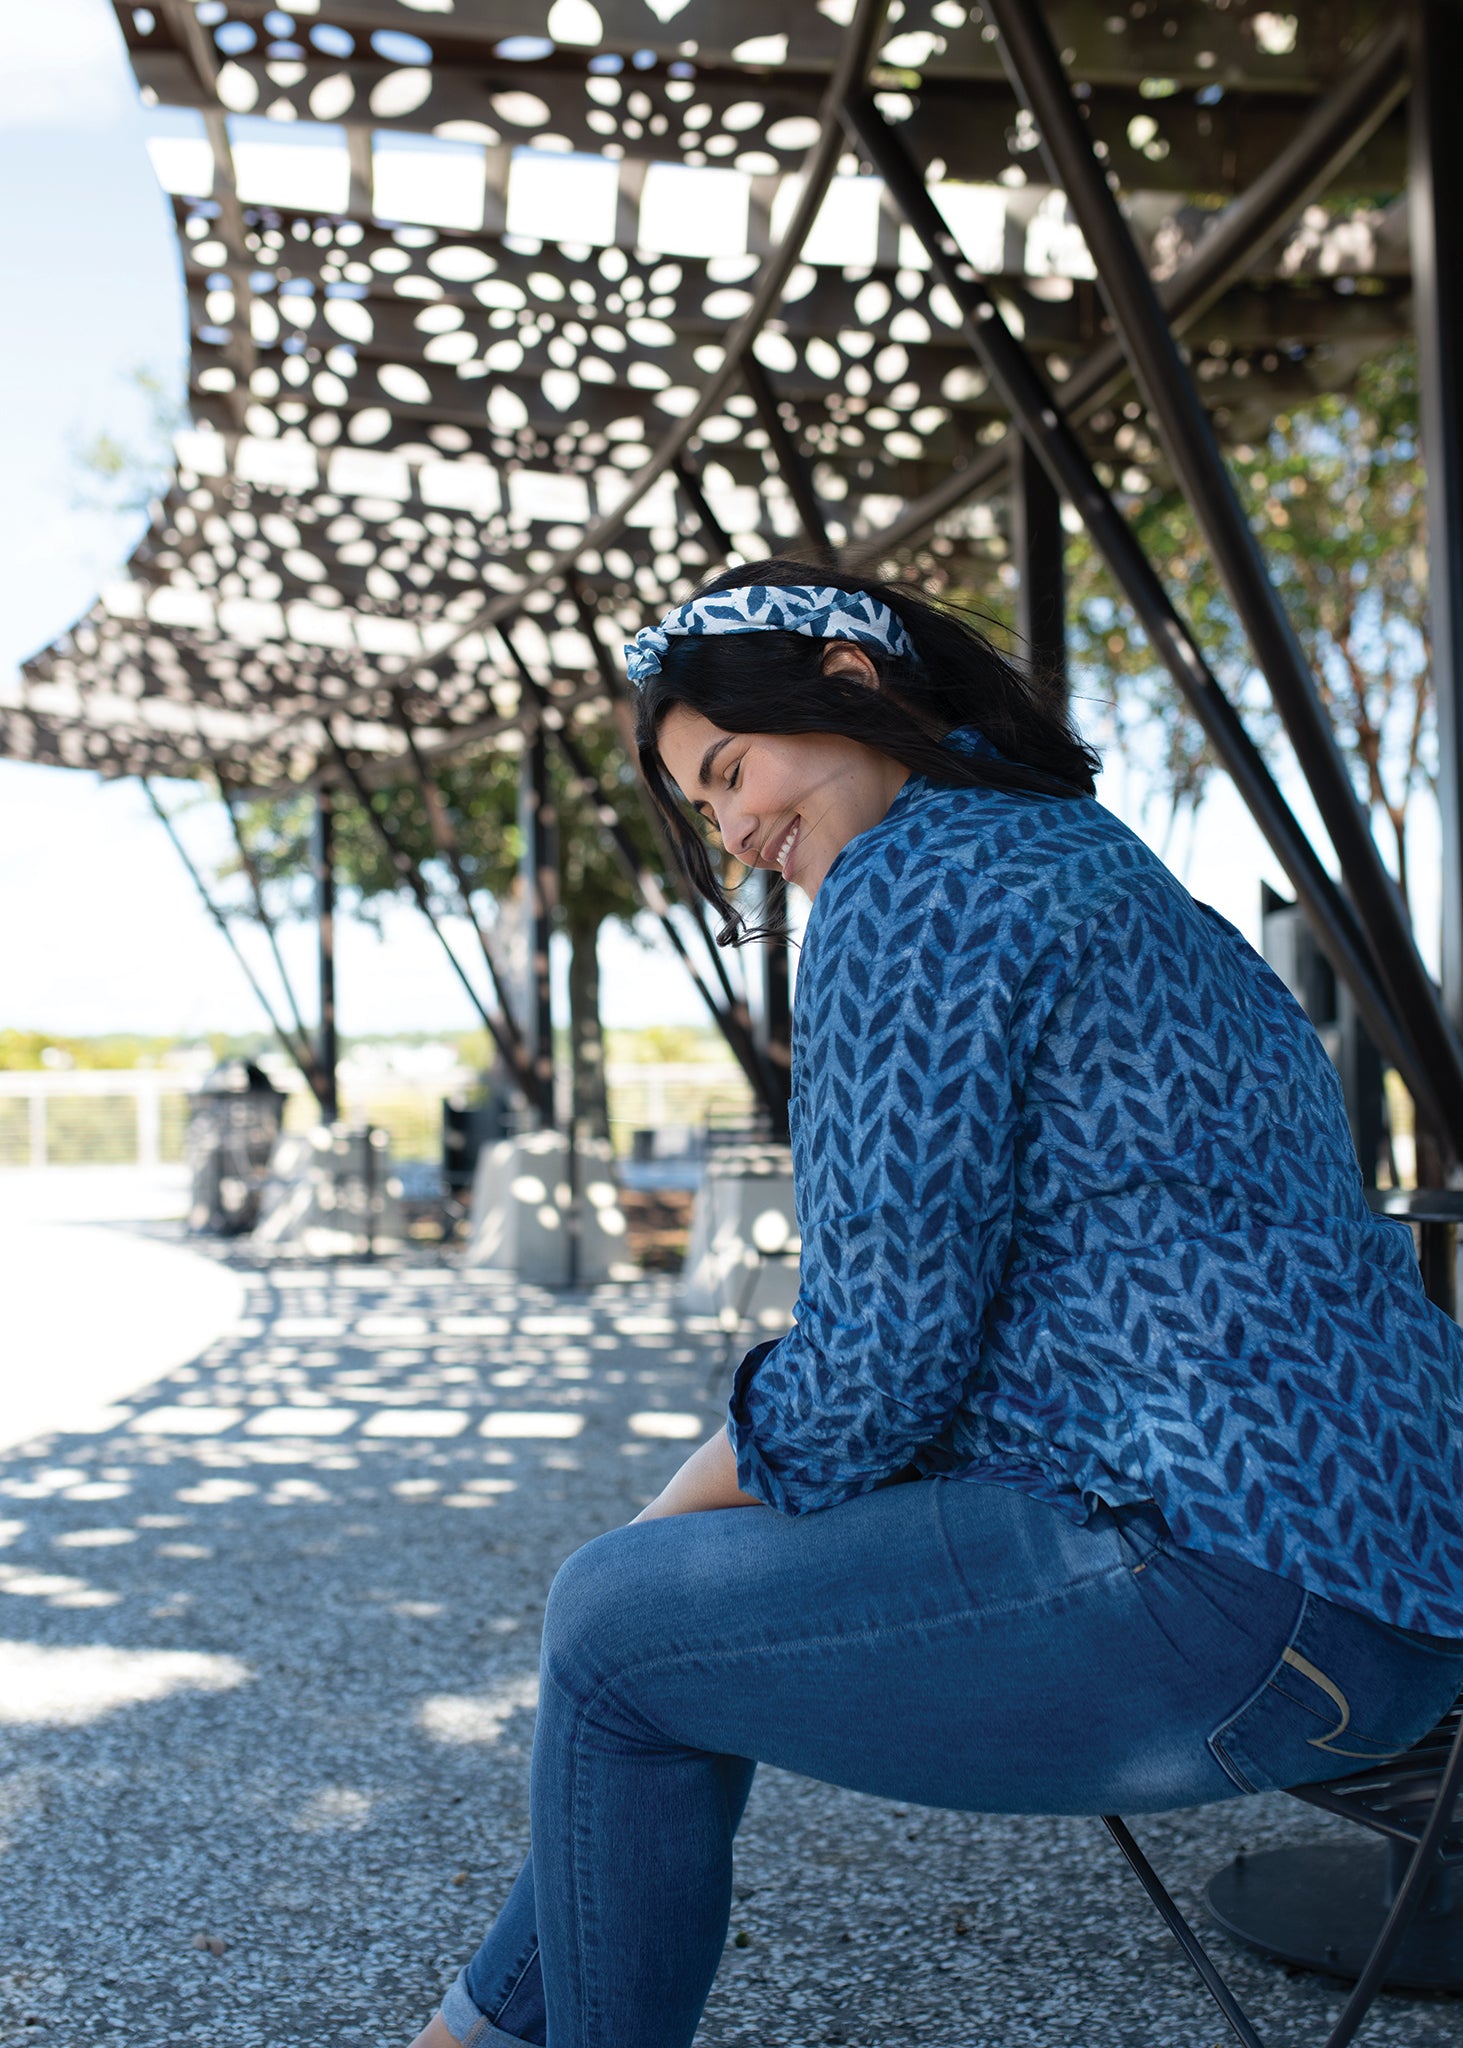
(1326, 140)
(645, 884)
(695, 494)
(449, 845)
(856, 53)
(197, 46)
(412, 876)
(786, 453)
(261, 912)
(301, 1054)
(1188, 437)
(1033, 408)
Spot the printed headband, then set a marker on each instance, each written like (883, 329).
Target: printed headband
(817, 610)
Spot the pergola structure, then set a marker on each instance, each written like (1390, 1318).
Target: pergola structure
(511, 319)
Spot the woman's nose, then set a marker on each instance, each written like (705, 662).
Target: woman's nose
(739, 833)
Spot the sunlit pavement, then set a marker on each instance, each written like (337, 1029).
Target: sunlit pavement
(92, 1194)
(90, 1316)
(268, 1635)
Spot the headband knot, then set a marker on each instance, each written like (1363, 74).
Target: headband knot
(819, 611)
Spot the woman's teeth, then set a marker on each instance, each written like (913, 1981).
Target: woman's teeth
(786, 847)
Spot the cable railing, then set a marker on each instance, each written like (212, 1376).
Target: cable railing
(139, 1116)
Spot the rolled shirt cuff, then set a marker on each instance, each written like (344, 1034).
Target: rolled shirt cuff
(754, 1474)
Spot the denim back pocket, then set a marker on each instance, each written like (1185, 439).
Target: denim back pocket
(1346, 1691)
(1343, 1692)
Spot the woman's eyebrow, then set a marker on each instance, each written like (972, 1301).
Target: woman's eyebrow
(704, 778)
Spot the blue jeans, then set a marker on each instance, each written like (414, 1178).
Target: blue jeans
(944, 1643)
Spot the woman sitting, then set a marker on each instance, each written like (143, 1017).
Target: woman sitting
(1115, 1458)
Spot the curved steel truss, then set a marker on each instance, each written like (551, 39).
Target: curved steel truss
(524, 314)
(404, 429)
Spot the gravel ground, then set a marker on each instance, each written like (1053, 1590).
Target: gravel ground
(268, 1696)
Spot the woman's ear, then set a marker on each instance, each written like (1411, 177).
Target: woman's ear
(842, 658)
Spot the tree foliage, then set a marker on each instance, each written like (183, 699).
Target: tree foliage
(1335, 491)
(121, 475)
(480, 798)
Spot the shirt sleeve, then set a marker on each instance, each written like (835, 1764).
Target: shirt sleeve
(913, 1037)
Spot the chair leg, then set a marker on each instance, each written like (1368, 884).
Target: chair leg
(1421, 1869)
(748, 1287)
(1409, 1897)
(1183, 1934)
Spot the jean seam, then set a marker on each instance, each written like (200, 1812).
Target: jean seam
(505, 2001)
(802, 1644)
(581, 1888)
(1215, 1741)
(478, 2032)
(1162, 1551)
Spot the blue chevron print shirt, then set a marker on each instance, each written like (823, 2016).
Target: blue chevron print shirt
(1081, 1215)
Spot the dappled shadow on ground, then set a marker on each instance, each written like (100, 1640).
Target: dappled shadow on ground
(268, 1647)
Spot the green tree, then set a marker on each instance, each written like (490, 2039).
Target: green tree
(481, 800)
(119, 475)
(1336, 491)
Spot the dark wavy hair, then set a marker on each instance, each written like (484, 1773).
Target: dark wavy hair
(774, 683)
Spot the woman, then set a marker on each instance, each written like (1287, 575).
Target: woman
(1086, 1266)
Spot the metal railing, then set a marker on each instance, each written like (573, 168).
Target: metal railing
(92, 1118)
(138, 1116)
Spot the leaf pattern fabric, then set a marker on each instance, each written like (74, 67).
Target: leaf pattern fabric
(1081, 1215)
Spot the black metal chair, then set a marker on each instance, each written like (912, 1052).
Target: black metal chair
(1413, 1803)
(1389, 1915)
(757, 1256)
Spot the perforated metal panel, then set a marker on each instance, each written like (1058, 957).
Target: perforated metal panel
(462, 275)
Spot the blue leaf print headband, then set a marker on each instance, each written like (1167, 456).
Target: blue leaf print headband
(820, 611)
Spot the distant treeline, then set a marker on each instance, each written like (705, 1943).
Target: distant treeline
(27, 1051)
(23, 1051)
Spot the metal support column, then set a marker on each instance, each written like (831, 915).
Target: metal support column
(1325, 142)
(496, 1024)
(1435, 211)
(791, 464)
(326, 1057)
(300, 1048)
(1037, 541)
(732, 1016)
(1188, 438)
(1034, 408)
(539, 883)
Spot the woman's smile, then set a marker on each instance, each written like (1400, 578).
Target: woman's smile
(786, 801)
(783, 856)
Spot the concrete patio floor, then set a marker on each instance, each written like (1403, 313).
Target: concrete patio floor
(268, 1636)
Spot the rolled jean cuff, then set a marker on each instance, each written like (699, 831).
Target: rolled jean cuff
(470, 2027)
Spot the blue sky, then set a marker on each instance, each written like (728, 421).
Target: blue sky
(100, 927)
